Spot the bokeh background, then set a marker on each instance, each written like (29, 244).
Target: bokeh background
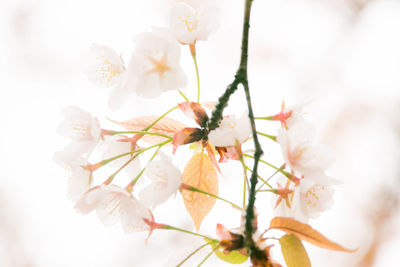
(342, 54)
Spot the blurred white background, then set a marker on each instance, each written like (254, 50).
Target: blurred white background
(342, 54)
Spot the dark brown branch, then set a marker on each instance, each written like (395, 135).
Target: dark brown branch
(241, 78)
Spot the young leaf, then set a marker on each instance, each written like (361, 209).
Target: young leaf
(195, 111)
(165, 126)
(293, 252)
(200, 173)
(211, 153)
(305, 232)
(233, 257)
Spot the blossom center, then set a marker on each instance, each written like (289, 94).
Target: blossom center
(81, 131)
(313, 195)
(189, 22)
(296, 155)
(107, 71)
(159, 65)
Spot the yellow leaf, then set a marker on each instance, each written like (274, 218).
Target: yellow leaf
(199, 172)
(293, 252)
(165, 126)
(195, 146)
(234, 256)
(305, 232)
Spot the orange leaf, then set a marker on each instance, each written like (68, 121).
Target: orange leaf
(165, 126)
(305, 232)
(199, 172)
(186, 136)
(211, 153)
(195, 111)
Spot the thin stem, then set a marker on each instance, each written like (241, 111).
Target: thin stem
(269, 118)
(259, 177)
(272, 190)
(245, 180)
(209, 255)
(272, 137)
(169, 227)
(195, 189)
(97, 165)
(192, 48)
(183, 95)
(191, 254)
(134, 181)
(270, 165)
(138, 132)
(138, 152)
(159, 118)
(267, 180)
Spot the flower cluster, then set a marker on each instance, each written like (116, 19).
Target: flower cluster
(154, 68)
(303, 189)
(307, 190)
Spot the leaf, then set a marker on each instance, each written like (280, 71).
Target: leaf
(195, 111)
(186, 136)
(233, 257)
(305, 232)
(165, 126)
(211, 153)
(200, 173)
(294, 252)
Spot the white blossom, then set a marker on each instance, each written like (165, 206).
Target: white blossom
(292, 115)
(299, 152)
(106, 67)
(154, 67)
(111, 147)
(113, 203)
(306, 201)
(80, 178)
(230, 131)
(166, 180)
(189, 25)
(83, 130)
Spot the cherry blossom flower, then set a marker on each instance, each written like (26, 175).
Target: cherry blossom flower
(307, 200)
(112, 146)
(80, 177)
(301, 155)
(154, 67)
(113, 203)
(231, 131)
(189, 25)
(83, 130)
(166, 180)
(290, 116)
(106, 67)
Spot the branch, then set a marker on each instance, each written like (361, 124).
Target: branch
(241, 78)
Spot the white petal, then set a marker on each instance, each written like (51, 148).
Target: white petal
(319, 177)
(90, 200)
(79, 182)
(111, 147)
(106, 67)
(173, 79)
(79, 125)
(108, 210)
(166, 180)
(209, 23)
(132, 215)
(149, 85)
(183, 23)
(231, 131)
